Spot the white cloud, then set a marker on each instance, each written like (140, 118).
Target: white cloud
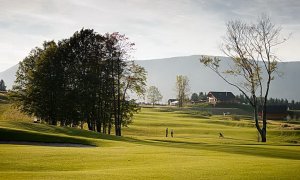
(159, 28)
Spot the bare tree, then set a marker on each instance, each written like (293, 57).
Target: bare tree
(253, 62)
(154, 95)
(182, 88)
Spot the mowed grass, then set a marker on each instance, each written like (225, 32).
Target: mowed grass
(195, 151)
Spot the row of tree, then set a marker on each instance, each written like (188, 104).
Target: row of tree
(82, 79)
(272, 101)
(199, 97)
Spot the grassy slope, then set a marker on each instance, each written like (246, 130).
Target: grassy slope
(15, 126)
(195, 152)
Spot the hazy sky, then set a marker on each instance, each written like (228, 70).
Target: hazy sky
(160, 28)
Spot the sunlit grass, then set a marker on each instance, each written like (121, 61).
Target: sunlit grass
(195, 151)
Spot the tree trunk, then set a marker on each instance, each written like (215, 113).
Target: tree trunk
(81, 124)
(89, 124)
(104, 128)
(53, 122)
(98, 126)
(119, 97)
(263, 135)
(109, 126)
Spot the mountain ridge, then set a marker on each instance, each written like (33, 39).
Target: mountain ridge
(162, 73)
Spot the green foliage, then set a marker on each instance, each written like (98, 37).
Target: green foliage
(85, 78)
(195, 152)
(195, 97)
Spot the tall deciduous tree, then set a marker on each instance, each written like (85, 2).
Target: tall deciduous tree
(84, 78)
(251, 50)
(182, 89)
(154, 95)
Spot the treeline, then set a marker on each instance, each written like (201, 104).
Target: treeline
(199, 97)
(272, 101)
(82, 79)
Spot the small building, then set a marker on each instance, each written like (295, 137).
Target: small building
(173, 102)
(275, 112)
(220, 97)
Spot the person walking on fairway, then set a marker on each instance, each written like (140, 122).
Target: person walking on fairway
(172, 132)
(167, 132)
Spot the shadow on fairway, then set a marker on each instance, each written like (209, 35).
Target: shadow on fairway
(262, 150)
(47, 144)
(245, 149)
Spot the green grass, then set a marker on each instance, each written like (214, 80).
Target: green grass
(195, 152)
(3, 97)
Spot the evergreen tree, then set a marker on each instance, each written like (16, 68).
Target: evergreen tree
(195, 97)
(2, 85)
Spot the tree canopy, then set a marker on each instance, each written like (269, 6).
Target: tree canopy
(81, 79)
(194, 97)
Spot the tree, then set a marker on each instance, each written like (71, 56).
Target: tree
(84, 78)
(125, 74)
(202, 96)
(45, 84)
(133, 80)
(2, 85)
(182, 89)
(251, 51)
(154, 95)
(195, 97)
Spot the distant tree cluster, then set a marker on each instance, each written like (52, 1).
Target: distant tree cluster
(294, 105)
(199, 97)
(272, 101)
(82, 79)
(242, 99)
(2, 85)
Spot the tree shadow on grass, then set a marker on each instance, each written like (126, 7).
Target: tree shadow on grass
(47, 144)
(262, 150)
(244, 149)
(70, 131)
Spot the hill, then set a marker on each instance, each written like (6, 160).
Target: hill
(9, 76)
(162, 73)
